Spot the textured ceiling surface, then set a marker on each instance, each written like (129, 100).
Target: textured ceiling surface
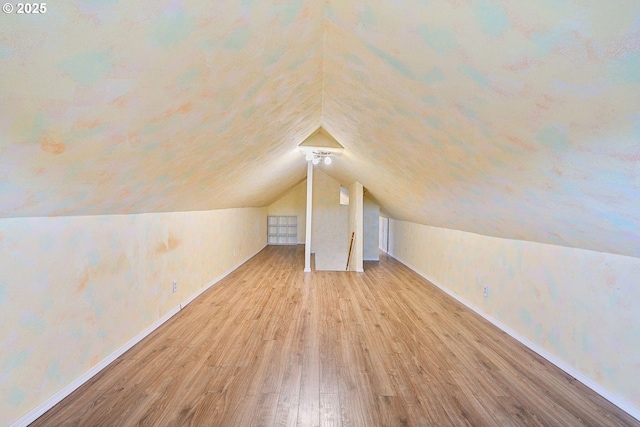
(515, 119)
(120, 106)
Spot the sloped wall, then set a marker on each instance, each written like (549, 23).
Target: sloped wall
(125, 107)
(293, 202)
(329, 225)
(514, 119)
(579, 307)
(75, 289)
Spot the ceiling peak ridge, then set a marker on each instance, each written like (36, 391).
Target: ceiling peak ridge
(324, 58)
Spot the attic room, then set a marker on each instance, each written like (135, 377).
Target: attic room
(144, 147)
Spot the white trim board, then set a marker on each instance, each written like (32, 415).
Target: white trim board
(39, 410)
(620, 402)
(214, 281)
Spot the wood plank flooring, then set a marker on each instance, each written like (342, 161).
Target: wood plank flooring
(272, 346)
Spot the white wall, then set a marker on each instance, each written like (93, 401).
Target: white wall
(293, 202)
(384, 232)
(329, 224)
(370, 224)
(578, 308)
(74, 290)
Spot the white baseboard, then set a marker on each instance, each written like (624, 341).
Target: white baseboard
(71, 387)
(214, 281)
(37, 412)
(620, 402)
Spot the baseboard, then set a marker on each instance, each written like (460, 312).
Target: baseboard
(620, 402)
(216, 280)
(37, 412)
(71, 387)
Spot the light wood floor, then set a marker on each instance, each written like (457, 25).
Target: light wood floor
(273, 346)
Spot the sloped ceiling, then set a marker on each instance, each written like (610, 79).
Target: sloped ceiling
(121, 106)
(515, 119)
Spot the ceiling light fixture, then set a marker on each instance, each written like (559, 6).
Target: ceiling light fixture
(319, 156)
(320, 147)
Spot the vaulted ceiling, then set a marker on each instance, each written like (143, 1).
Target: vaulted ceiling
(514, 119)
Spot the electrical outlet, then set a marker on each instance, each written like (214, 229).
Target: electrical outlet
(175, 286)
(485, 290)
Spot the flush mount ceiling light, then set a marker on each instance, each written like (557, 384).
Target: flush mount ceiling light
(320, 147)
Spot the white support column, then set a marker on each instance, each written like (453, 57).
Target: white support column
(307, 240)
(356, 216)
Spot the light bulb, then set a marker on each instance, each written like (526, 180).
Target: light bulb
(327, 160)
(315, 161)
